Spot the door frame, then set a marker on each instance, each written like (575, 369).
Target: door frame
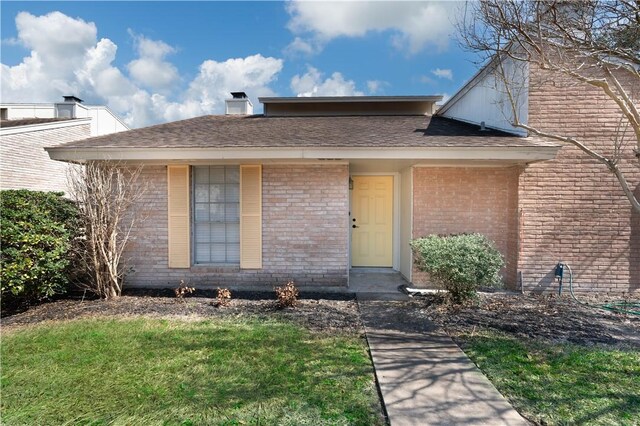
(395, 238)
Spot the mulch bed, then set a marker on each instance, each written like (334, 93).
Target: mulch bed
(525, 316)
(317, 314)
(545, 317)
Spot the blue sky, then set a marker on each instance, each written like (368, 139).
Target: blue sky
(152, 62)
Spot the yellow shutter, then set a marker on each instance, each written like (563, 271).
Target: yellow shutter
(251, 217)
(178, 226)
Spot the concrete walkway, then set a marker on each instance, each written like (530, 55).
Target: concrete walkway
(424, 378)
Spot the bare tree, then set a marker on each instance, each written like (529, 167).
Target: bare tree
(105, 193)
(590, 42)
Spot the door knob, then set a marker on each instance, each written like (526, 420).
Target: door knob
(355, 226)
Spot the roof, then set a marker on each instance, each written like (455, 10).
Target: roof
(29, 121)
(257, 131)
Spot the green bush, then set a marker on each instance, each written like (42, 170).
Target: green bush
(36, 230)
(459, 263)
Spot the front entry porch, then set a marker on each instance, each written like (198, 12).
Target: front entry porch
(377, 284)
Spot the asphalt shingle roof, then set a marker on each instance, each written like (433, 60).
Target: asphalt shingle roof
(29, 121)
(258, 131)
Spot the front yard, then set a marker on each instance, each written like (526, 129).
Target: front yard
(183, 372)
(557, 362)
(155, 360)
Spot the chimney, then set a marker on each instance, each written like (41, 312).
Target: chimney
(67, 108)
(239, 104)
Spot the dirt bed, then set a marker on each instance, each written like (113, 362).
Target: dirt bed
(317, 314)
(529, 316)
(534, 316)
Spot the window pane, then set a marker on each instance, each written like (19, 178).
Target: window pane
(233, 253)
(218, 253)
(216, 193)
(216, 174)
(232, 212)
(217, 212)
(202, 232)
(233, 233)
(218, 233)
(232, 193)
(202, 175)
(232, 174)
(202, 253)
(202, 193)
(202, 212)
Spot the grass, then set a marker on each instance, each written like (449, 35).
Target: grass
(161, 372)
(559, 384)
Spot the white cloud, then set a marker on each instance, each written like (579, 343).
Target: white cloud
(150, 69)
(443, 73)
(302, 46)
(415, 25)
(66, 59)
(312, 84)
(376, 86)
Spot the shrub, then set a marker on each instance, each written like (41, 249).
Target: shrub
(182, 290)
(287, 295)
(459, 263)
(223, 297)
(37, 230)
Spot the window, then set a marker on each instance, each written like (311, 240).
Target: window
(216, 214)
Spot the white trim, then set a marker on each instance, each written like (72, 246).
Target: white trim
(347, 99)
(43, 126)
(396, 216)
(532, 153)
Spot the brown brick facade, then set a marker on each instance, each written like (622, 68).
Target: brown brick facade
(26, 165)
(305, 217)
(451, 200)
(572, 208)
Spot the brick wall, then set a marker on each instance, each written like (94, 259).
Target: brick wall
(454, 200)
(305, 218)
(24, 164)
(572, 208)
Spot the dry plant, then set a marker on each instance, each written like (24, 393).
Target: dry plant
(287, 295)
(182, 290)
(105, 193)
(223, 297)
(592, 43)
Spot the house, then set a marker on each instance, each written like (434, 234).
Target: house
(25, 129)
(316, 186)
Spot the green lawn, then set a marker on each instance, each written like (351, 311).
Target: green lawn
(221, 372)
(559, 384)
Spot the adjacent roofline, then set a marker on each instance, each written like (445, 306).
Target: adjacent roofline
(511, 153)
(4, 131)
(106, 108)
(348, 99)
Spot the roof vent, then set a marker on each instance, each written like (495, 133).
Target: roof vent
(483, 128)
(72, 99)
(239, 104)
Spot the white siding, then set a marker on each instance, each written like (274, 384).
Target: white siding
(485, 99)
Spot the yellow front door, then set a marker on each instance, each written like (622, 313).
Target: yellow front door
(372, 221)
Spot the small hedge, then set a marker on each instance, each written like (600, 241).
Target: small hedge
(36, 230)
(459, 263)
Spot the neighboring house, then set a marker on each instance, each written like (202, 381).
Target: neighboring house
(25, 129)
(317, 186)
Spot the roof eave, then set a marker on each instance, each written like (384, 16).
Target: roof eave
(524, 154)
